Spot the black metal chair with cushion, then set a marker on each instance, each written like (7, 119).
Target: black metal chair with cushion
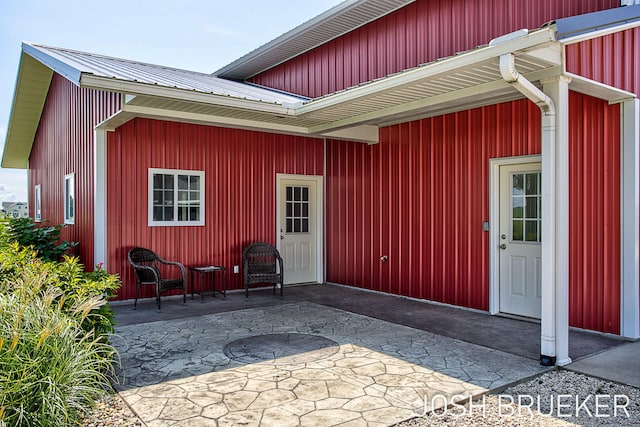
(146, 265)
(262, 263)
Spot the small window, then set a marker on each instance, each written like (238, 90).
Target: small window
(69, 199)
(37, 203)
(176, 197)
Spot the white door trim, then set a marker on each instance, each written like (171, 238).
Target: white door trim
(630, 226)
(494, 224)
(318, 179)
(100, 197)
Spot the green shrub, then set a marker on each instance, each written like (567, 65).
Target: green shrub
(51, 369)
(44, 240)
(68, 277)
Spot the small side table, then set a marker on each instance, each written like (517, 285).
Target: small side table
(209, 269)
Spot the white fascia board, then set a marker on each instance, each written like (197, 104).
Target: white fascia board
(422, 105)
(465, 60)
(63, 68)
(114, 121)
(181, 116)
(363, 133)
(599, 90)
(113, 85)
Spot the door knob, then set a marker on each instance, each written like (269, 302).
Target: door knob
(503, 246)
(281, 237)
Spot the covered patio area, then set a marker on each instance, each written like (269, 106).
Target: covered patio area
(323, 355)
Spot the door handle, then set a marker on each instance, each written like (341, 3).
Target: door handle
(503, 246)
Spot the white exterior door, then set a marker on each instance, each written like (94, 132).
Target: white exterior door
(298, 229)
(519, 239)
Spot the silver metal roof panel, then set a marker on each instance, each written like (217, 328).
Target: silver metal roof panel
(339, 20)
(74, 65)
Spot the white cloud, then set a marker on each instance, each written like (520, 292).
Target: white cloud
(220, 31)
(13, 185)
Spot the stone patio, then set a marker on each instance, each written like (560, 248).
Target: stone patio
(358, 371)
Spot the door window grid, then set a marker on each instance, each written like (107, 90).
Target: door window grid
(297, 206)
(526, 203)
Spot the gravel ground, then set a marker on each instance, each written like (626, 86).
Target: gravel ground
(112, 412)
(571, 389)
(498, 411)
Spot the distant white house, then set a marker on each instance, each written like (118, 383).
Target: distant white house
(15, 210)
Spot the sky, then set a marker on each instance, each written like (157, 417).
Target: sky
(197, 35)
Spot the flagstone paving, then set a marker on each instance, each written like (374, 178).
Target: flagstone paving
(299, 364)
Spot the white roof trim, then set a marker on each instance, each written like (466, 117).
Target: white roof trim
(596, 89)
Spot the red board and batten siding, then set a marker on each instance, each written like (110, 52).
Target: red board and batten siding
(613, 60)
(240, 178)
(64, 144)
(421, 195)
(418, 33)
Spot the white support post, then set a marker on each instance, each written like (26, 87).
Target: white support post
(554, 322)
(100, 197)
(630, 229)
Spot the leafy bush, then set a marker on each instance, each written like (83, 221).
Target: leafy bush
(55, 359)
(44, 240)
(68, 277)
(51, 369)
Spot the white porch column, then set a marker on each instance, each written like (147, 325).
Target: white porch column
(554, 322)
(630, 230)
(100, 197)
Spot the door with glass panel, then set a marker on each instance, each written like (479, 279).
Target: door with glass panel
(520, 239)
(297, 230)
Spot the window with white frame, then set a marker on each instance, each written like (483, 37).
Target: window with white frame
(69, 199)
(37, 203)
(176, 197)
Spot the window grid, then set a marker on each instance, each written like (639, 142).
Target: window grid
(526, 207)
(69, 199)
(177, 197)
(37, 211)
(297, 206)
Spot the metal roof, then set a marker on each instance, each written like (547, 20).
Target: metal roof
(339, 20)
(78, 66)
(461, 82)
(609, 20)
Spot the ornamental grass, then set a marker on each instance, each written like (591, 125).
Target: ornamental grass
(55, 359)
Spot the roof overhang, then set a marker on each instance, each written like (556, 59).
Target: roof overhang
(339, 20)
(32, 85)
(460, 82)
(578, 28)
(468, 80)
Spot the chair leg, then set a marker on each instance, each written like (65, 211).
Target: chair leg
(184, 296)
(158, 297)
(246, 291)
(281, 289)
(135, 303)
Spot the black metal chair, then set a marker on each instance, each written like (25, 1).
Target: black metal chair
(262, 263)
(145, 263)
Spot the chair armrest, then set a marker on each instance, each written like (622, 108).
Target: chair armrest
(146, 267)
(177, 264)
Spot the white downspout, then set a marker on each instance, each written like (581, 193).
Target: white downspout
(554, 334)
(528, 89)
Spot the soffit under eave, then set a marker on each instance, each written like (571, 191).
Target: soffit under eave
(30, 94)
(444, 92)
